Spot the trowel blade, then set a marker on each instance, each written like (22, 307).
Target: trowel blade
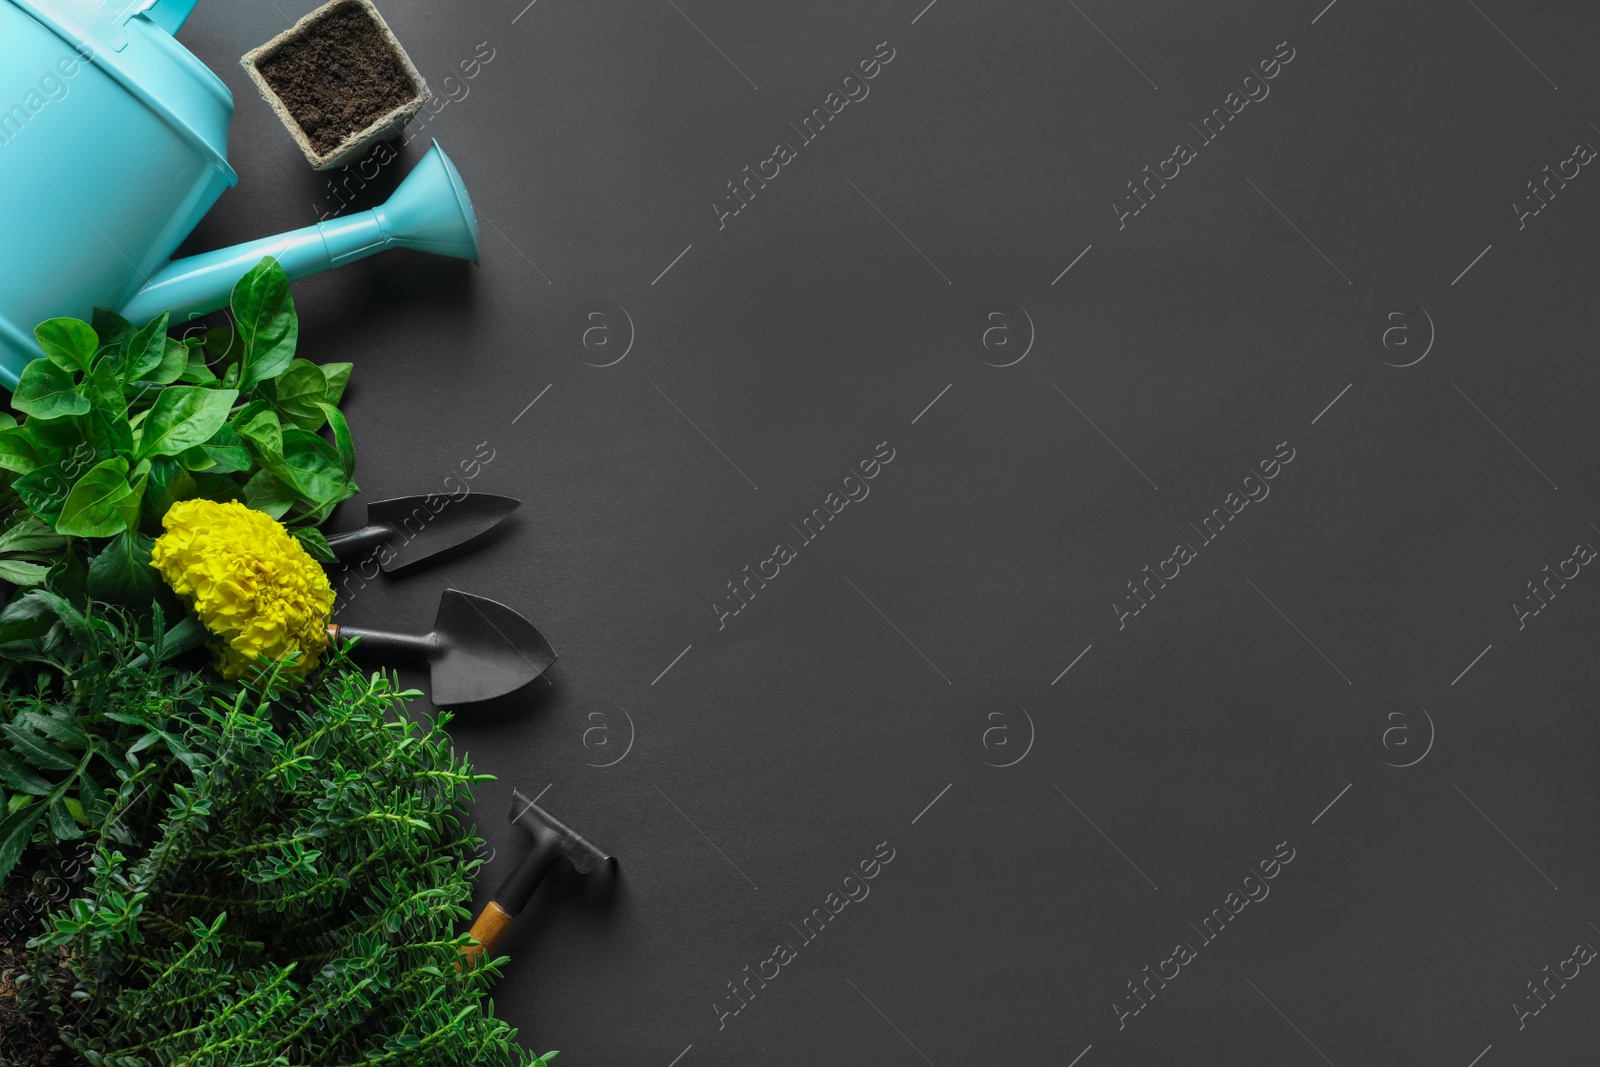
(486, 650)
(421, 530)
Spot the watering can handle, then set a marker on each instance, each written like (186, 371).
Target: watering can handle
(169, 14)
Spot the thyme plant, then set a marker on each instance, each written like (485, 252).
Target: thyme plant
(278, 873)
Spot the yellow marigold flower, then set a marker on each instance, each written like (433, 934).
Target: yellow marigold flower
(250, 581)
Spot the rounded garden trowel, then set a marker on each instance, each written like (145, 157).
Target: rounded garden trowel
(405, 529)
(478, 650)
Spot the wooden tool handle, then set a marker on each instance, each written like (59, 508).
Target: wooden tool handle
(487, 929)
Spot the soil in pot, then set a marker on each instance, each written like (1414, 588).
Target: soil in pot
(339, 77)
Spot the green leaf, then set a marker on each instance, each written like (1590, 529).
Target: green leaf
(46, 391)
(198, 371)
(62, 826)
(219, 487)
(94, 506)
(19, 777)
(30, 535)
(60, 726)
(19, 572)
(112, 328)
(28, 617)
(56, 439)
(263, 313)
(121, 573)
(44, 490)
(15, 833)
(174, 361)
(311, 538)
(75, 809)
(189, 632)
(137, 480)
(268, 493)
(36, 750)
(73, 619)
(221, 345)
(107, 426)
(71, 575)
(298, 394)
(263, 432)
(184, 416)
(169, 483)
(223, 454)
(313, 466)
(337, 375)
(146, 349)
(18, 453)
(341, 438)
(68, 343)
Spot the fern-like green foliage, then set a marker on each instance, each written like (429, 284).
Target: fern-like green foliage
(278, 874)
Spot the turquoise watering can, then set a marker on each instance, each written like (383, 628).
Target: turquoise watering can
(113, 146)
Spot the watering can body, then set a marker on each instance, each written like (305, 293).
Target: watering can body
(113, 146)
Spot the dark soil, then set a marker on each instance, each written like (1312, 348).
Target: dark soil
(26, 1041)
(338, 77)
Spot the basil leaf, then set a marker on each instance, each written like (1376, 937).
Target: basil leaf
(199, 371)
(112, 328)
(298, 394)
(313, 466)
(44, 490)
(93, 507)
(68, 343)
(194, 459)
(15, 833)
(263, 313)
(46, 391)
(57, 436)
(17, 451)
(169, 483)
(184, 416)
(226, 451)
(121, 573)
(312, 540)
(174, 361)
(137, 480)
(108, 431)
(341, 438)
(263, 431)
(337, 375)
(219, 487)
(221, 345)
(146, 349)
(268, 493)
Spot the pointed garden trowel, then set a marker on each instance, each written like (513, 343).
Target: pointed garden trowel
(410, 531)
(478, 650)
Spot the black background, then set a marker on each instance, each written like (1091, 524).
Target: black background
(824, 718)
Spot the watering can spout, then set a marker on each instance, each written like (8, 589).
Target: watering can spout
(170, 15)
(430, 212)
